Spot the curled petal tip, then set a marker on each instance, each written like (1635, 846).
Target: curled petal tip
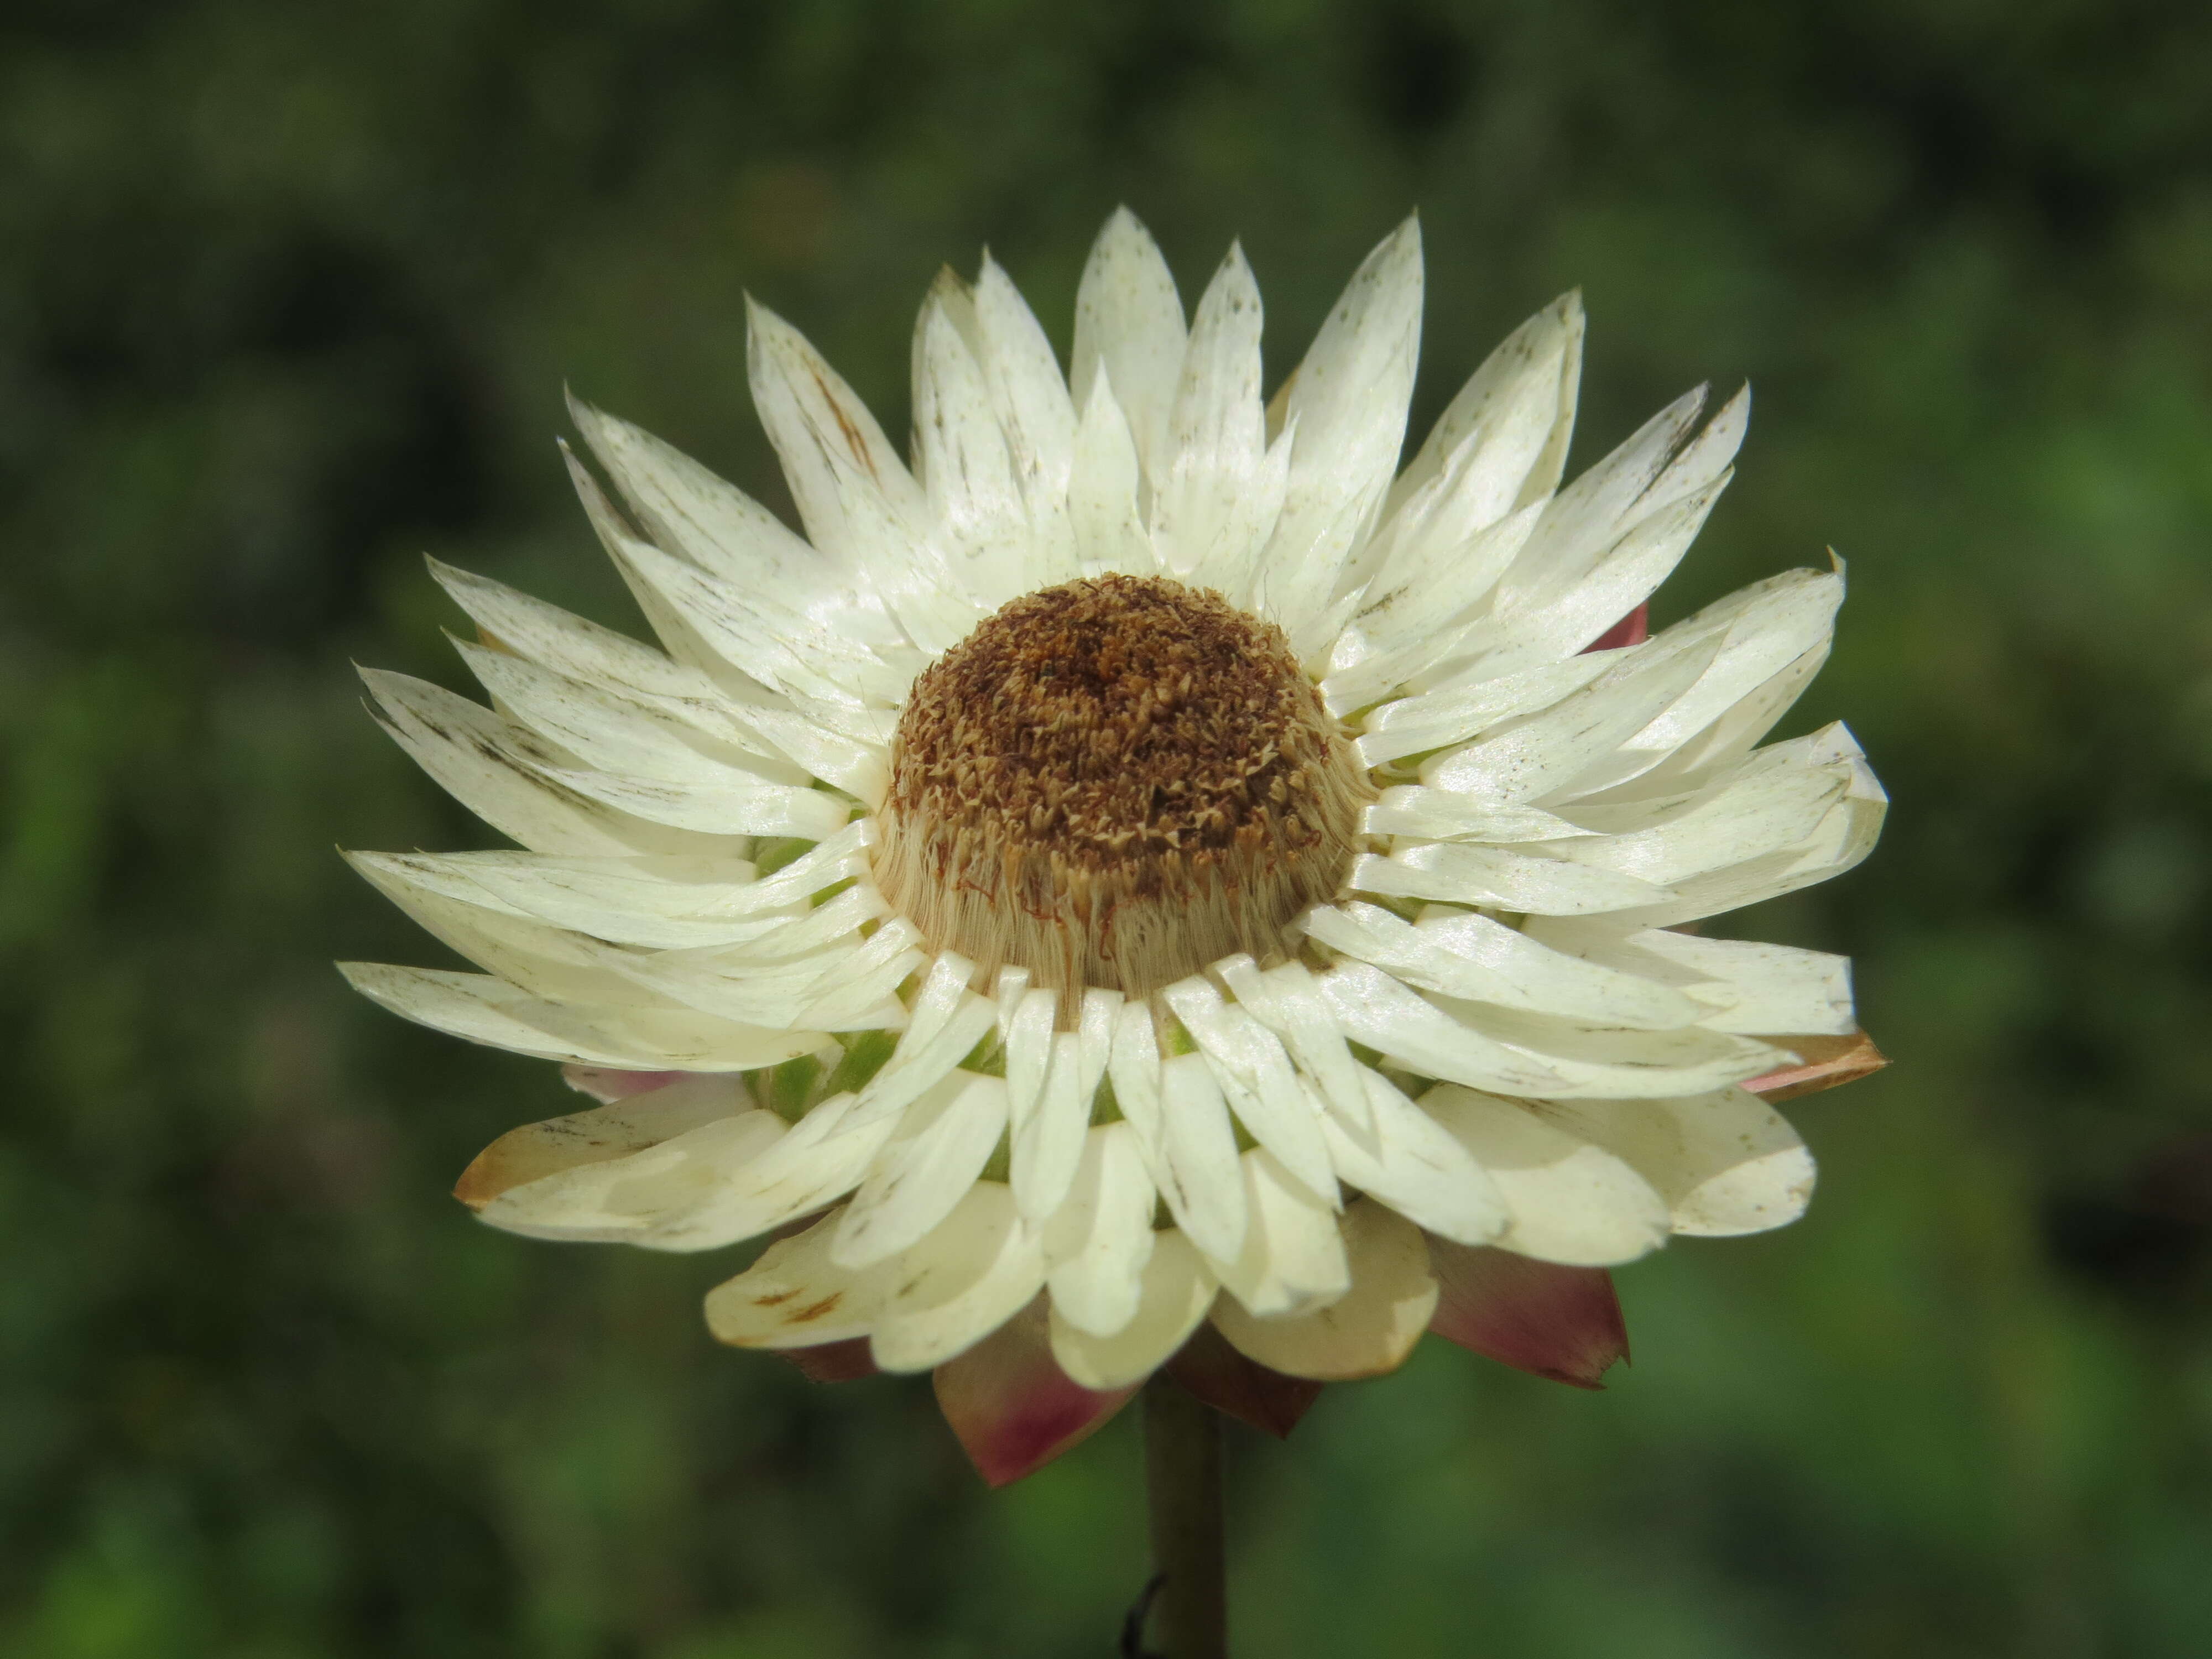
(1563, 1324)
(1824, 1063)
(479, 1183)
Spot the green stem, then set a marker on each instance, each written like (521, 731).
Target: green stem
(1182, 1482)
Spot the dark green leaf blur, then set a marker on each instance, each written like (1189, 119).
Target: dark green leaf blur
(288, 293)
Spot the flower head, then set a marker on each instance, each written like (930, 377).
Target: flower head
(1150, 861)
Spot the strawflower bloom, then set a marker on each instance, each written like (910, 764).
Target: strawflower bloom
(1146, 882)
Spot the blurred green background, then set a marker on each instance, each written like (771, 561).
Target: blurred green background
(288, 295)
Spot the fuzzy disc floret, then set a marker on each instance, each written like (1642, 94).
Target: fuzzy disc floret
(1115, 782)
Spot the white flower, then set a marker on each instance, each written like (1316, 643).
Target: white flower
(1143, 859)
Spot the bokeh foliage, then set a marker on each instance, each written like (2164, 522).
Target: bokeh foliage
(288, 295)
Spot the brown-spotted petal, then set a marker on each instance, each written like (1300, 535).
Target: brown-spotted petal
(626, 1124)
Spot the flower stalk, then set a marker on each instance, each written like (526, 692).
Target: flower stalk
(1182, 1484)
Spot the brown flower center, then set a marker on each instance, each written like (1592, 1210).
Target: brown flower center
(1115, 782)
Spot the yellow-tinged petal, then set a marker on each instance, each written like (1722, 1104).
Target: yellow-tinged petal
(1370, 1329)
(795, 1297)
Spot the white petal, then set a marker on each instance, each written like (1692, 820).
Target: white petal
(689, 510)
(1198, 1172)
(1771, 803)
(524, 891)
(942, 1145)
(1102, 489)
(664, 902)
(1128, 324)
(765, 994)
(827, 741)
(1571, 1201)
(1025, 1023)
(980, 1268)
(1473, 957)
(1286, 999)
(603, 1134)
(944, 991)
(1544, 753)
(621, 1199)
(545, 633)
(1133, 1065)
(1551, 622)
(1419, 814)
(848, 482)
(1771, 831)
(1256, 1079)
(1845, 836)
(860, 504)
(482, 1009)
(855, 992)
(1440, 569)
(787, 938)
(1241, 533)
(1714, 753)
(1741, 985)
(1049, 1145)
(1455, 874)
(1293, 1259)
(1726, 1163)
(1347, 401)
(1375, 1009)
(1591, 514)
(1026, 388)
(1205, 477)
(502, 775)
(678, 636)
(615, 733)
(1367, 1332)
(1778, 635)
(543, 961)
(1411, 1162)
(1764, 629)
(1095, 1036)
(732, 810)
(812, 1166)
(1596, 1060)
(1176, 1290)
(1098, 1241)
(775, 650)
(833, 744)
(795, 1297)
(983, 521)
(1705, 457)
(1357, 676)
(1522, 400)
(921, 1059)
(1454, 712)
